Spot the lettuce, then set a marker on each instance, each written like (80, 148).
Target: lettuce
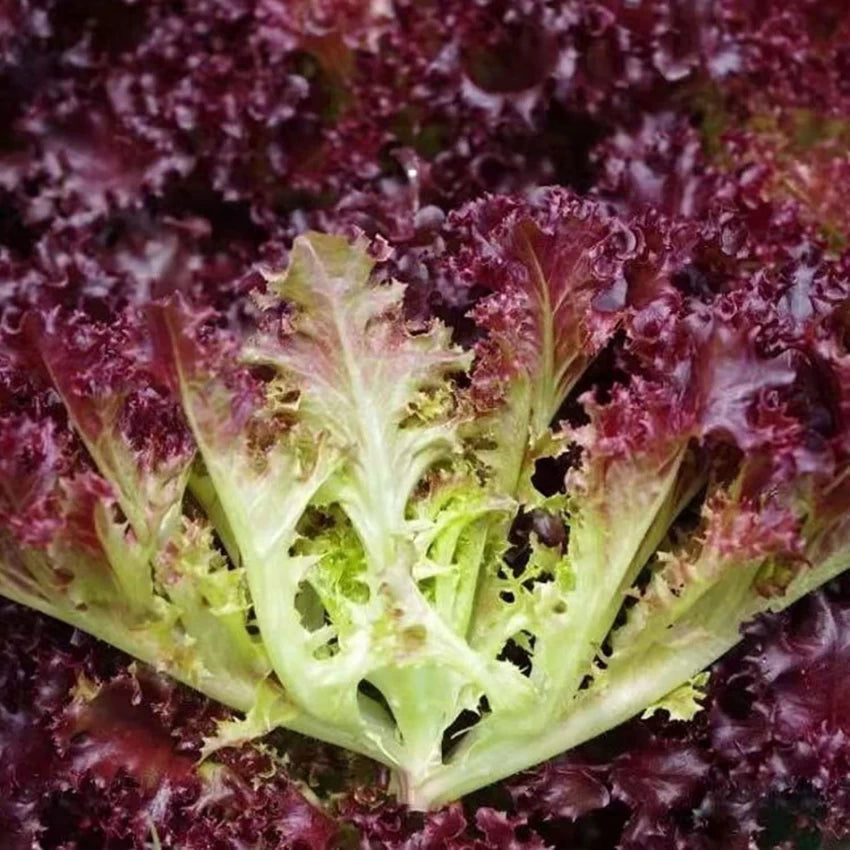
(336, 520)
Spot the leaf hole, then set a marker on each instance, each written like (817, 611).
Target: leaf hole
(327, 650)
(310, 609)
(251, 625)
(519, 651)
(367, 690)
(460, 727)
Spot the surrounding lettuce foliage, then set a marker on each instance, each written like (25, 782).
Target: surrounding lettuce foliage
(497, 470)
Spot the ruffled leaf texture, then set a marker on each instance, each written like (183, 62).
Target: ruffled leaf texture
(147, 149)
(336, 520)
(97, 753)
(165, 156)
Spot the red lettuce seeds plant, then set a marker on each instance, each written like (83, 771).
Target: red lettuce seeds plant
(328, 543)
(439, 391)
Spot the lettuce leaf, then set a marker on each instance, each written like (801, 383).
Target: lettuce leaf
(342, 525)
